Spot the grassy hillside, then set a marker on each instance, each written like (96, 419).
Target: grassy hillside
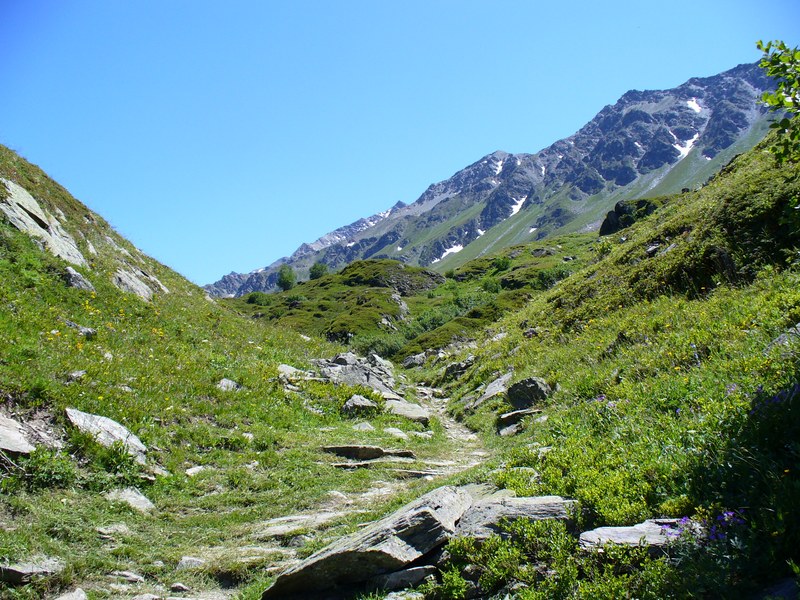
(154, 367)
(675, 396)
(669, 346)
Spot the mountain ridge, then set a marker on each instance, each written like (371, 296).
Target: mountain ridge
(648, 142)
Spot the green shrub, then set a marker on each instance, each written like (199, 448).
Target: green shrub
(41, 469)
(259, 298)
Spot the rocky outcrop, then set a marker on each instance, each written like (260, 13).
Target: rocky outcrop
(24, 212)
(408, 410)
(108, 432)
(348, 369)
(385, 547)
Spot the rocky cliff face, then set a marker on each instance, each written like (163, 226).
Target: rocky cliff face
(648, 143)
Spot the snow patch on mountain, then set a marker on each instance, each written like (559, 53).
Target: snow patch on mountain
(693, 104)
(517, 205)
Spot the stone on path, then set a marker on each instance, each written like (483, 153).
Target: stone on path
(13, 437)
(413, 412)
(483, 518)
(133, 498)
(107, 431)
(358, 452)
(383, 547)
(25, 572)
(651, 533)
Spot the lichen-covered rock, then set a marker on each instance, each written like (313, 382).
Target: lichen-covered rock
(13, 437)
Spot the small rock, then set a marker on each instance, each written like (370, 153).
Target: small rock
(107, 431)
(75, 376)
(86, 332)
(421, 434)
(651, 534)
(407, 578)
(415, 360)
(356, 452)
(22, 573)
(363, 427)
(516, 416)
(112, 530)
(457, 369)
(189, 562)
(78, 281)
(228, 385)
(133, 498)
(178, 587)
(146, 597)
(527, 392)
(510, 430)
(192, 471)
(395, 432)
(128, 576)
(358, 404)
(483, 519)
(76, 594)
(495, 388)
(13, 437)
(413, 412)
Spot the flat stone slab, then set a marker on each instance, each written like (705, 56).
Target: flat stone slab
(107, 431)
(496, 388)
(13, 438)
(483, 518)
(133, 498)
(25, 572)
(413, 412)
(515, 416)
(651, 533)
(383, 547)
(76, 594)
(360, 452)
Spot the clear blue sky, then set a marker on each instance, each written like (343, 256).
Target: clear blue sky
(218, 136)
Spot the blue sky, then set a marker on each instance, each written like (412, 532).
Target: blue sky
(218, 136)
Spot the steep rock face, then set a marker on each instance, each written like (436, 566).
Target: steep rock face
(648, 142)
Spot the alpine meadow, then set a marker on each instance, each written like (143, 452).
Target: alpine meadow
(573, 374)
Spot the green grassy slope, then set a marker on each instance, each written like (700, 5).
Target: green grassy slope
(154, 367)
(671, 398)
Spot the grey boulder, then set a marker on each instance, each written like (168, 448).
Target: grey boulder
(526, 393)
(384, 547)
(22, 573)
(413, 412)
(483, 519)
(107, 431)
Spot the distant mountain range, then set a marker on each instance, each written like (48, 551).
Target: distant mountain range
(649, 143)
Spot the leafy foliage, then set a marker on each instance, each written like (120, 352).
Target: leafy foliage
(317, 270)
(286, 278)
(783, 64)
